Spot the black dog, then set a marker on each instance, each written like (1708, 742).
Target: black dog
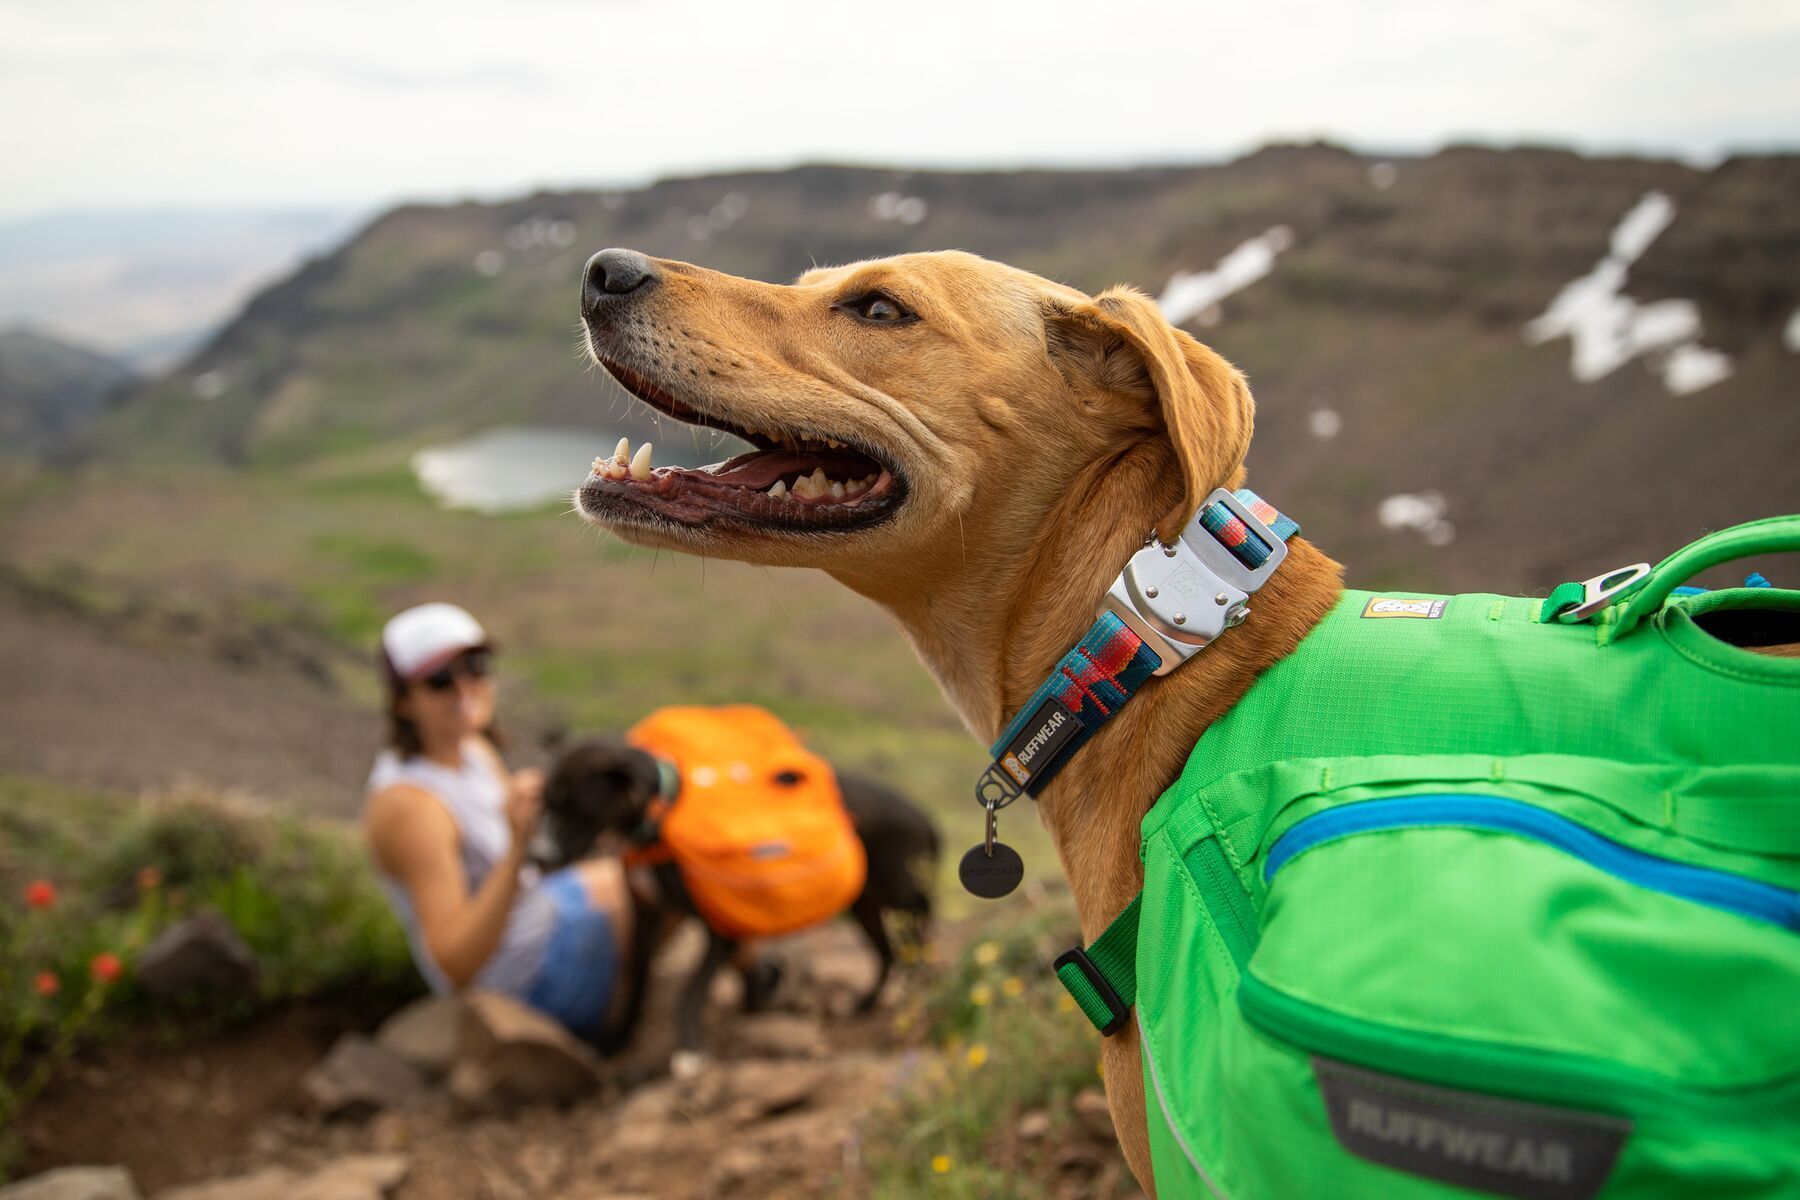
(606, 786)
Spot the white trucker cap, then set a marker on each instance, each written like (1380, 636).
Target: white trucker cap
(422, 639)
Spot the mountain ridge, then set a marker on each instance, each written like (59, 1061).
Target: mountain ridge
(1393, 316)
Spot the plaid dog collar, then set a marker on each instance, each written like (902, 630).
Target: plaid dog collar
(1165, 606)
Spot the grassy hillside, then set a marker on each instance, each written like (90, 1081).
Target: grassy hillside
(49, 389)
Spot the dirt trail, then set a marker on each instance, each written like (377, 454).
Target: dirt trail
(777, 1112)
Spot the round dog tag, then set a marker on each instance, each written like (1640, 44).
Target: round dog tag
(991, 876)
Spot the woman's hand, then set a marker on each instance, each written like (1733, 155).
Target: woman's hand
(524, 800)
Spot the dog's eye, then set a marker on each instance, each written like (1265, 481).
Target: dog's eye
(878, 308)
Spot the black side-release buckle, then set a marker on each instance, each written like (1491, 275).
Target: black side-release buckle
(1121, 1012)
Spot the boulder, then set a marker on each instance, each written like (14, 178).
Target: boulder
(272, 1183)
(201, 954)
(512, 1054)
(426, 1033)
(735, 1165)
(1092, 1110)
(779, 1035)
(356, 1177)
(75, 1183)
(752, 1090)
(358, 1078)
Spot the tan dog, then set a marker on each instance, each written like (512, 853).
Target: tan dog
(1002, 444)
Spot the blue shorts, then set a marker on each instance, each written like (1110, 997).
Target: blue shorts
(581, 959)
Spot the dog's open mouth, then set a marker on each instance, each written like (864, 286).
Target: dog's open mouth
(793, 480)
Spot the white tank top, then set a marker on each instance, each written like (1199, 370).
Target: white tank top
(475, 797)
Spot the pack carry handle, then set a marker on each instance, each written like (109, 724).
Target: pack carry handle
(1769, 535)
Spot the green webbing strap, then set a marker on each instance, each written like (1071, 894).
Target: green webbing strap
(1565, 596)
(1103, 978)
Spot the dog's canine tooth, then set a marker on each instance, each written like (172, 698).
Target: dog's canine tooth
(780, 489)
(640, 462)
(622, 451)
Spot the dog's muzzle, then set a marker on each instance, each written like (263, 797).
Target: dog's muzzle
(611, 275)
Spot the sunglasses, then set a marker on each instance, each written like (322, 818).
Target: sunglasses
(475, 664)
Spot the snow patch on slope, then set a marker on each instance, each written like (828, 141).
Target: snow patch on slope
(1197, 294)
(1607, 329)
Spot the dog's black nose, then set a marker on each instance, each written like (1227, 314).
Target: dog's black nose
(614, 272)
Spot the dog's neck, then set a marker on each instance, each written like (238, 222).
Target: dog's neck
(989, 657)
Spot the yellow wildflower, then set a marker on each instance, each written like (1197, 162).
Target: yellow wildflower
(988, 953)
(980, 994)
(1013, 985)
(977, 1055)
(941, 1164)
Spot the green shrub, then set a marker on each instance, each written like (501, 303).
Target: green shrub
(299, 893)
(1007, 1042)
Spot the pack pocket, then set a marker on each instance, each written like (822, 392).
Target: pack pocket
(1482, 946)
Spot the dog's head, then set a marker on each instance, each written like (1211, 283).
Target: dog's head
(942, 399)
(600, 786)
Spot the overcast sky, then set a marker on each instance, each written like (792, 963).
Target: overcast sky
(128, 103)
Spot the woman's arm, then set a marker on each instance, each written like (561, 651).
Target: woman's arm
(414, 840)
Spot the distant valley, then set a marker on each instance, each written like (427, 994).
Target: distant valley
(145, 286)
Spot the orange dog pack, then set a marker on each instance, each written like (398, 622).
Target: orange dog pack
(757, 826)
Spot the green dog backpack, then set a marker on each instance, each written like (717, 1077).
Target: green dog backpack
(1483, 895)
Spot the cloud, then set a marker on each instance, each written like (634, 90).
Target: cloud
(196, 101)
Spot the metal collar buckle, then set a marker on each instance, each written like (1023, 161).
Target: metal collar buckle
(1179, 598)
(1600, 591)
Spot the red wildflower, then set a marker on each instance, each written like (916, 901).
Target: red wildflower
(47, 983)
(149, 879)
(40, 893)
(106, 967)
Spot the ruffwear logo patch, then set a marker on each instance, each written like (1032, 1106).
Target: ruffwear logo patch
(1393, 606)
(1502, 1147)
(1044, 735)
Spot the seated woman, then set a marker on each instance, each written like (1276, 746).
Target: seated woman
(448, 826)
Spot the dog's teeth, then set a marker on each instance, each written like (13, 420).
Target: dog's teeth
(780, 489)
(599, 464)
(640, 462)
(809, 487)
(856, 487)
(622, 451)
(837, 490)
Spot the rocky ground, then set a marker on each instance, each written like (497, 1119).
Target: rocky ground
(478, 1099)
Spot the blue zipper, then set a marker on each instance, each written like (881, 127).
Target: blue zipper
(1734, 893)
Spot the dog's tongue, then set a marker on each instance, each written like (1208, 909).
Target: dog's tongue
(761, 468)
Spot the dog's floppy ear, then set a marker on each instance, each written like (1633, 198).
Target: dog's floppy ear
(1124, 343)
